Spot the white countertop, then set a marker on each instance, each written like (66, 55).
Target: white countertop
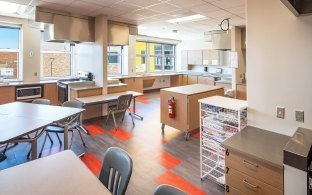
(224, 102)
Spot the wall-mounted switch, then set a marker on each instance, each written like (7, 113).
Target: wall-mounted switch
(300, 116)
(280, 112)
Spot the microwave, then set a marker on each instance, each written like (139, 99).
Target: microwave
(28, 92)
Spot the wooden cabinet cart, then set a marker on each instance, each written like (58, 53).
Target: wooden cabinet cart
(186, 105)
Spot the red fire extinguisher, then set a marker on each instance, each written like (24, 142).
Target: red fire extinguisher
(171, 107)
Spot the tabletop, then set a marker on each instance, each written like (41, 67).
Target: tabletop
(11, 129)
(105, 98)
(62, 174)
(39, 111)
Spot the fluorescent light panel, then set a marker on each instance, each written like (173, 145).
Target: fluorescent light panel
(187, 18)
(9, 8)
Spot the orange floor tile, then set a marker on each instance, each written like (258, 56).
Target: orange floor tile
(92, 163)
(94, 129)
(172, 179)
(196, 134)
(166, 160)
(120, 134)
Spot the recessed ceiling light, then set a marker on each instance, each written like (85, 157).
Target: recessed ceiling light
(9, 8)
(187, 18)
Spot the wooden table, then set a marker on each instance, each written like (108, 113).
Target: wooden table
(62, 174)
(27, 118)
(186, 105)
(102, 99)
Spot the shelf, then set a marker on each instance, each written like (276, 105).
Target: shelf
(218, 124)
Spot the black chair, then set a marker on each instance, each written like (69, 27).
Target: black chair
(116, 170)
(72, 122)
(123, 104)
(165, 189)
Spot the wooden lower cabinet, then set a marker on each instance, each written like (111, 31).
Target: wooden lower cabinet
(134, 84)
(176, 80)
(241, 92)
(184, 79)
(205, 80)
(50, 92)
(7, 94)
(233, 191)
(192, 79)
(252, 176)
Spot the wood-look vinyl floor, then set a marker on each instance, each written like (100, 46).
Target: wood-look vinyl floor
(156, 158)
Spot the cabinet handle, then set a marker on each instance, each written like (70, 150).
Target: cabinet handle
(250, 164)
(227, 152)
(227, 170)
(250, 185)
(227, 189)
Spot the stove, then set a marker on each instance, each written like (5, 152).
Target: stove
(63, 87)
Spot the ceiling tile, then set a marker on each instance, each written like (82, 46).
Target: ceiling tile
(224, 4)
(237, 10)
(187, 3)
(181, 13)
(146, 12)
(203, 8)
(142, 3)
(125, 6)
(163, 7)
(132, 16)
(218, 14)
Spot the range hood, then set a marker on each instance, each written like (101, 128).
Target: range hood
(221, 40)
(65, 27)
(299, 7)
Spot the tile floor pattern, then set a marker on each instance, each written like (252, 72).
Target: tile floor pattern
(157, 158)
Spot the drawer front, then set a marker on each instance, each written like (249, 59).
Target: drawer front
(255, 168)
(249, 185)
(233, 191)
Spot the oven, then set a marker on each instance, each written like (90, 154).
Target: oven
(62, 90)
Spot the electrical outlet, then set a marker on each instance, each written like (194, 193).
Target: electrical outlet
(300, 116)
(280, 112)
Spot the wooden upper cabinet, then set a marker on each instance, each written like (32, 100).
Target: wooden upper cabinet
(7, 94)
(195, 57)
(184, 62)
(210, 57)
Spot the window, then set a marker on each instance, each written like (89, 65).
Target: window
(115, 60)
(56, 59)
(10, 53)
(141, 51)
(154, 57)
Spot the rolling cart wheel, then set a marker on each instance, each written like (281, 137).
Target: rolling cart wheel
(187, 136)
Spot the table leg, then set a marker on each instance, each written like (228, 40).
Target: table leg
(82, 127)
(66, 137)
(133, 113)
(34, 149)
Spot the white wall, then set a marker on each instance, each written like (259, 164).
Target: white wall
(279, 65)
(30, 48)
(197, 44)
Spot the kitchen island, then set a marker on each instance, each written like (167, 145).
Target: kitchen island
(186, 105)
